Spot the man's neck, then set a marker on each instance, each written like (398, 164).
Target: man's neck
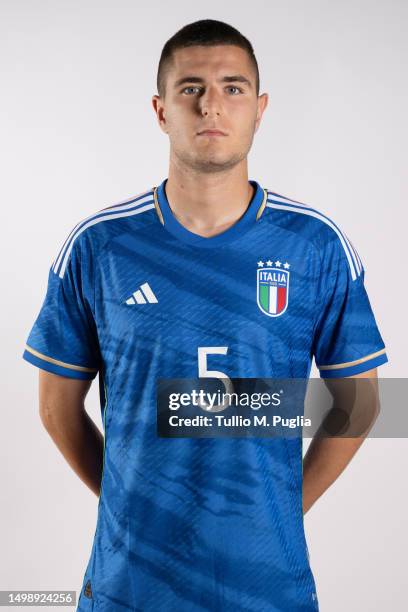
(208, 204)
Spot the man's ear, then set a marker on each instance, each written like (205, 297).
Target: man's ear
(158, 106)
(262, 104)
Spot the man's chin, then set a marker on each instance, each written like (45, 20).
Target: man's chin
(212, 163)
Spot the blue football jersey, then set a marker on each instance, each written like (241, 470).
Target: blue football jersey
(201, 524)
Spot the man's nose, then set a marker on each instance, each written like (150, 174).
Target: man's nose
(210, 104)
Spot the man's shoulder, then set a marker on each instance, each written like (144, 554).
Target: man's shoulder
(94, 232)
(300, 217)
(115, 216)
(308, 222)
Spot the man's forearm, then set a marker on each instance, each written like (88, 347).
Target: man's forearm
(325, 460)
(356, 396)
(81, 442)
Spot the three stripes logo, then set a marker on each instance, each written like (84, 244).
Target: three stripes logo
(279, 202)
(143, 295)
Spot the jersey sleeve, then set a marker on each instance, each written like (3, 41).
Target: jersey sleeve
(63, 339)
(346, 339)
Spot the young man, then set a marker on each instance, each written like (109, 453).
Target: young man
(208, 271)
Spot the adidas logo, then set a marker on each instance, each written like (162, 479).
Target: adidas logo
(143, 295)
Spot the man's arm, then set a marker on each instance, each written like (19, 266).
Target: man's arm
(327, 457)
(63, 414)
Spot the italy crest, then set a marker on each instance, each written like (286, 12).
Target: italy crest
(272, 287)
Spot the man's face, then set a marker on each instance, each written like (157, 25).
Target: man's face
(210, 88)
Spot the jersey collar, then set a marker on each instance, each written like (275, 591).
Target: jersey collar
(248, 219)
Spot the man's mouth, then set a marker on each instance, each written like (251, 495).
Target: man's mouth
(211, 132)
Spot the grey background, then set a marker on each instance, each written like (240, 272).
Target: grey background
(78, 134)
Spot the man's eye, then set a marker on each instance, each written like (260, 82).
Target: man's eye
(188, 89)
(237, 89)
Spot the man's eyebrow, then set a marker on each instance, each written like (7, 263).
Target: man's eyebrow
(236, 78)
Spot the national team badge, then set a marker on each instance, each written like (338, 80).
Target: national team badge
(272, 287)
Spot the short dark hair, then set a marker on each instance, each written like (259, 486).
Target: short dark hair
(207, 32)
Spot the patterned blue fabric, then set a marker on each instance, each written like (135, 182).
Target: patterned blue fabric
(201, 524)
